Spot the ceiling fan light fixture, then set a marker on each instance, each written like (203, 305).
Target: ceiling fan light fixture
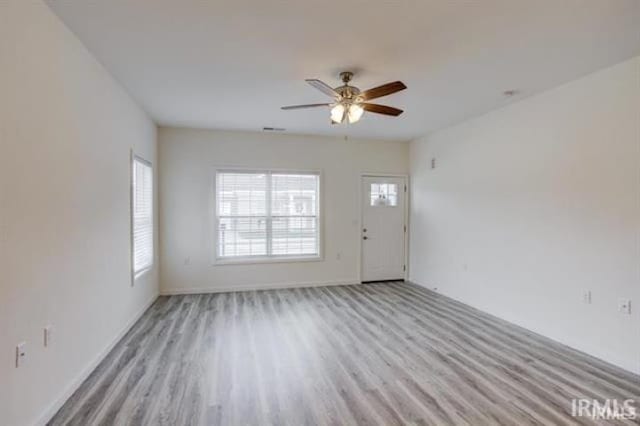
(337, 113)
(355, 113)
(349, 102)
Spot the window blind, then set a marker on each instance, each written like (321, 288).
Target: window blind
(267, 214)
(142, 211)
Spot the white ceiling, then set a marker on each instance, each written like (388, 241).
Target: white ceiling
(232, 64)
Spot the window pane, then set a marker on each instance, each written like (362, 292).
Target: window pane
(250, 226)
(242, 236)
(242, 194)
(295, 236)
(294, 195)
(384, 194)
(142, 216)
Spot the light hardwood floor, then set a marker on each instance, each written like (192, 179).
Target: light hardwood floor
(383, 354)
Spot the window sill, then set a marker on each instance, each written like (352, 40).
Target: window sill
(263, 260)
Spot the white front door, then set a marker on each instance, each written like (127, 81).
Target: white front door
(383, 228)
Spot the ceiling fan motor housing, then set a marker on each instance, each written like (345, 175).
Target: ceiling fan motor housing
(347, 92)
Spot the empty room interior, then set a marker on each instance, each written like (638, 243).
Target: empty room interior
(281, 212)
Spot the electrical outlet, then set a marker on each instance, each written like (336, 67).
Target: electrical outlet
(586, 297)
(21, 353)
(624, 306)
(48, 336)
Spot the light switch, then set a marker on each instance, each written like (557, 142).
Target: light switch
(21, 353)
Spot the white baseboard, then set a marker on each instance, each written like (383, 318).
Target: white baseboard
(542, 333)
(75, 384)
(252, 287)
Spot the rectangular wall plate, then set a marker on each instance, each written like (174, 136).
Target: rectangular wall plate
(624, 306)
(48, 336)
(21, 353)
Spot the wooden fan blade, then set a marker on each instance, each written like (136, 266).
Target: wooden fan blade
(304, 106)
(382, 109)
(384, 90)
(323, 87)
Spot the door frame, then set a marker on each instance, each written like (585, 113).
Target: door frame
(405, 206)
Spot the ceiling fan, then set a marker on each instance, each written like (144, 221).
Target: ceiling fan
(349, 103)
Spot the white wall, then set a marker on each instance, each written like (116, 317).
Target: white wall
(532, 204)
(187, 160)
(66, 129)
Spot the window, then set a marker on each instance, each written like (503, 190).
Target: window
(384, 194)
(142, 215)
(267, 214)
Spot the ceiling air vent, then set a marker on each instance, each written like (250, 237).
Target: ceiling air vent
(273, 129)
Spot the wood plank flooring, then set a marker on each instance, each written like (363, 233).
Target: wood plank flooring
(375, 354)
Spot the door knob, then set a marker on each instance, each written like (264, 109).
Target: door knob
(365, 238)
(364, 230)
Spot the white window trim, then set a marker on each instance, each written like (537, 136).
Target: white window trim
(137, 274)
(251, 260)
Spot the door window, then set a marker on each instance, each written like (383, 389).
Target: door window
(384, 194)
